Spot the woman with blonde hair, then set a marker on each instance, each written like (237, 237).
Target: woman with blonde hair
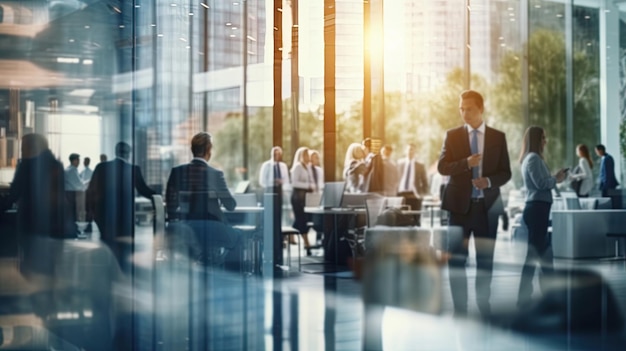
(355, 169)
(539, 184)
(582, 174)
(302, 183)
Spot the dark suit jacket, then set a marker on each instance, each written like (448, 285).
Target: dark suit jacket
(420, 181)
(207, 188)
(38, 188)
(111, 197)
(453, 162)
(607, 173)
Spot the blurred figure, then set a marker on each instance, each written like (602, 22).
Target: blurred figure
(318, 178)
(87, 172)
(355, 170)
(316, 170)
(476, 159)
(302, 183)
(38, 189)
(103, 158)
(74, 188)
(111, 199)
(607, 178)
(85, 176)
(198, 176)
(274, 174)
(375, 180)
(207, 193)
(539, 184)
(582, 174)
(274, 178)
(413, 184)
(390, 171)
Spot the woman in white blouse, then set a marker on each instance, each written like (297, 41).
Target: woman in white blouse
(583, 172)
(302, 183)
(355, 169)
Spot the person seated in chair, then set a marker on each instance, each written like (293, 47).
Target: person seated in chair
(195, 194)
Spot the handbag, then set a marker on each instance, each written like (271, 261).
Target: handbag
(576, 183)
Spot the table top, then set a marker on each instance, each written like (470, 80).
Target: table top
(244, 209)
(349, 210)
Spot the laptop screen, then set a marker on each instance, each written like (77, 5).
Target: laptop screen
(242, 187)
(332, 195)
(354, 200)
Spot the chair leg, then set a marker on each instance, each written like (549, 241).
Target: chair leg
(300, 252)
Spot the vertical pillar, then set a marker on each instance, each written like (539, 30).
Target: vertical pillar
(330, 126)
(610, 99)
(295, 79)
(244, 88)
(277, 115)
(377, 61)
(569, 84)
(524, 34)
(367, 69)
(467, 52)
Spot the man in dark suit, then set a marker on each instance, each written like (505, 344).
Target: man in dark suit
(195, 194)
(476, 159)
(111, 199)
(607, 171)
(413, 183)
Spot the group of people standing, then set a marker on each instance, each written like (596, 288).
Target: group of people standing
(304, 176)
(46, 201)
(475, 158)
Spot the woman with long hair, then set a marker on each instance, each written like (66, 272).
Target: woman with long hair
(355, 169)
(539, 184)
(302, 183)
(583, 172)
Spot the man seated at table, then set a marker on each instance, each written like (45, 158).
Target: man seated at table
(194, 196)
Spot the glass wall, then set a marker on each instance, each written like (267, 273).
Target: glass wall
(87, 74)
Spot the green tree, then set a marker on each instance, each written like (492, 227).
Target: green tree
(547, 97)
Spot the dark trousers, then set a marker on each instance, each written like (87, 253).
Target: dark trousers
(484, 228)
(276, 206)
(536, 216)
(72, 205)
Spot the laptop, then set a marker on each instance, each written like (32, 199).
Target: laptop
(332, 194)
(354, 200)
(242, 187)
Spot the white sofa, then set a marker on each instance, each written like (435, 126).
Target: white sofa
(582, 233)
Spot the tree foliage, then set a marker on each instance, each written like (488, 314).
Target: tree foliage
(547, 97)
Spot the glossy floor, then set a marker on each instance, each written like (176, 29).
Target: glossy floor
(178, 305)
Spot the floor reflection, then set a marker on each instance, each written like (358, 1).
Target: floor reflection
(81, 300)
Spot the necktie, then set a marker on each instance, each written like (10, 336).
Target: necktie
(407, 175)
(474, 147)
(277, 171)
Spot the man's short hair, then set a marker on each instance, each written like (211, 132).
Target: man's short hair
(74, 157)
(474, 95)
(122, 150)
(601, 148)
(86, 160)
(200, 143)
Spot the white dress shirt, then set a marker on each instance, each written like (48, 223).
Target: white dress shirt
(86, 174)
(72, 180)
(266, 175)
(480, 138)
